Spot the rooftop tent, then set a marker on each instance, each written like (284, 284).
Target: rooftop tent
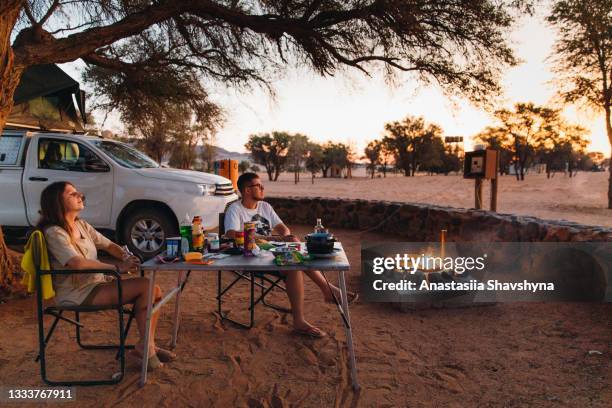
(45, 99)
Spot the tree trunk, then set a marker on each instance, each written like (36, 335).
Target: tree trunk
(10, 75)
(609, 132)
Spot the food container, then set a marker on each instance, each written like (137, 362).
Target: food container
(320, 243)
(213, 241)
(193, 256)
(249, 238)
(239, 240)
(172, 246)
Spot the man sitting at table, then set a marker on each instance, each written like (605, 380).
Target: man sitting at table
(269, 226)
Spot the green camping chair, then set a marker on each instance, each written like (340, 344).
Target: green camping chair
(58, 312)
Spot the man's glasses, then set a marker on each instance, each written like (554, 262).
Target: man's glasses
(259, 186)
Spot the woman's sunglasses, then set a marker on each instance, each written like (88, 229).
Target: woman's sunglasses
(77, 194)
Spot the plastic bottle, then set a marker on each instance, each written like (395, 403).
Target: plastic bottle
(197, 234)
(319, 227)
(185, 233)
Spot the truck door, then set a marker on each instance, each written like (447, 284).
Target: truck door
(12, 210)
(54, 159)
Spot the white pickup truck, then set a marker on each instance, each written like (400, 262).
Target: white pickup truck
(126, 192)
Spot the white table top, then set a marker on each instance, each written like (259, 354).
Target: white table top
(264, 262)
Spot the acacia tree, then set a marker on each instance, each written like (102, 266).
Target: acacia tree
(459, 44)
(167, 109)
(334, 154)
(314, 160)
(298, 151)
(207, 155)
(187, 134)
(270, 150)
(583, 57)
(408, 140)
(386, 157)
(559, 144)
(372, 153)
(243, 166)
(526, 124)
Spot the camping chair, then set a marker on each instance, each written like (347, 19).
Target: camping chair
(58, 313)
(266, 281)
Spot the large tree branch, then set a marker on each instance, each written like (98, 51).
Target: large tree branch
(51, 50)
(74, 46)
(110, 63)
(49, 12)
(28, 12)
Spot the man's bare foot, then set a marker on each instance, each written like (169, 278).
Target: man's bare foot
(352, 296)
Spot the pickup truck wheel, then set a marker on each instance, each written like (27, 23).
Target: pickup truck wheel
(145, 232)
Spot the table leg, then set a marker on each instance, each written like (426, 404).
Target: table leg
(349, 331)
(177, 310)
(145, 352)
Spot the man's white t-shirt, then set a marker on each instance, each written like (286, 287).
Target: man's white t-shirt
(263, 216)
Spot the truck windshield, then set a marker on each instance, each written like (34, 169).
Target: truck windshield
(125, 155)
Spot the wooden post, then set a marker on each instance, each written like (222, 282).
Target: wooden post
(478, 193)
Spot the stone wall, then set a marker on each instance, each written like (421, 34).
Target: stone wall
(422, 222)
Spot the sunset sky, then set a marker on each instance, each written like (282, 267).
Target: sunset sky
(352, 108)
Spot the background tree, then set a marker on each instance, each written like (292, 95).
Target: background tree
(314, 161)
(451, 162)
(429, 150)
(525, 125)
(297, 154)
(244, 166)
(575, 144)
(372, 154)
(270, 150)
(583, 57)
(386, 157)
(186, 137)
(560, 144)
(459, 44)
(410, 142)
(334, 155)
(166, 109)
(400, 137)
(207, 155)
(592, 161)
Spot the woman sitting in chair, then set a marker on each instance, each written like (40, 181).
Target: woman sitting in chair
(72, 244)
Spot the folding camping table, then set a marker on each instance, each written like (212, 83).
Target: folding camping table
(264, 262)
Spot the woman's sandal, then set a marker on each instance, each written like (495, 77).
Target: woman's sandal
(313, 332)
(165, 356)
(153, 362)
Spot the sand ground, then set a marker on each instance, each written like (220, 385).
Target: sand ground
(580, 199)
(510, 355)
